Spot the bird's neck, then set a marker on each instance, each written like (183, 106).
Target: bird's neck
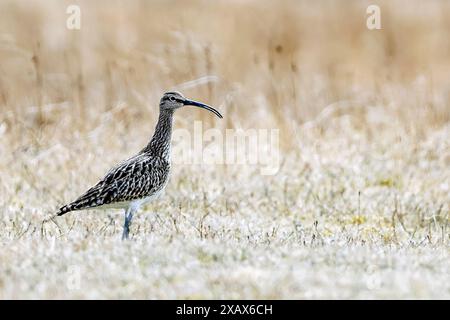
(159, 145)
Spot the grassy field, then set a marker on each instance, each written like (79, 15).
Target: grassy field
(358, 208)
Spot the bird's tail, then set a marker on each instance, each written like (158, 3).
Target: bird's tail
(64, 210)
(60, 212)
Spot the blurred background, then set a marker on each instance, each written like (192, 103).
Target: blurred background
(364, 129)
(277, 64)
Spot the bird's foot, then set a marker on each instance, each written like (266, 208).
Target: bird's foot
(125, 235)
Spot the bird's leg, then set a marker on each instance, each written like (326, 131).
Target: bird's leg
(126, 225)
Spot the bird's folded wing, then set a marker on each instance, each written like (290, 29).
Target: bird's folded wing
(131, 179)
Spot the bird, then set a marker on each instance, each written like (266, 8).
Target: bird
(141, 178)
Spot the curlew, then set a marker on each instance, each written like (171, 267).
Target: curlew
(141, 178)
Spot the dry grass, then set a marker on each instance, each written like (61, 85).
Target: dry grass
(358, 209)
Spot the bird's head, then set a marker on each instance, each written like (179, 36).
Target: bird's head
(174, 100)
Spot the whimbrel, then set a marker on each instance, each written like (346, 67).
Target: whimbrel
(143, 177)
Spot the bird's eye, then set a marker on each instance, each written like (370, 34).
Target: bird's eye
(172, 99)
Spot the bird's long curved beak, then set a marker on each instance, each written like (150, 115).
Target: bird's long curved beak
(202, 105)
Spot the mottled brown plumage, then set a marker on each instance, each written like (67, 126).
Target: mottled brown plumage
(136, 178)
